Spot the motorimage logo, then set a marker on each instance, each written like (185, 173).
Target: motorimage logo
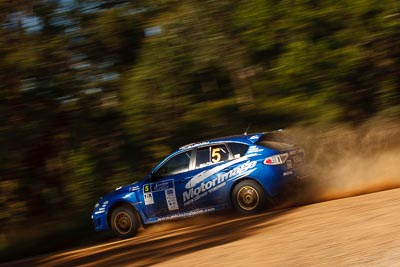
(198, 187)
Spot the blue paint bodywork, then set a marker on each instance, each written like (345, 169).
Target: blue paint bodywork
(207, 188)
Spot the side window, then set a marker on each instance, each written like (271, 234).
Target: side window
(210, 155)
(175, 165)
(238, 150)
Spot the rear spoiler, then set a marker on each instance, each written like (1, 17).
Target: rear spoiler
(254, 137)
(277, 135)
(280, 136)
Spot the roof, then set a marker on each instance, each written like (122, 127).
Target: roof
(248, 138)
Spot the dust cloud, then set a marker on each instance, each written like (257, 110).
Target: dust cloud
(350, 160)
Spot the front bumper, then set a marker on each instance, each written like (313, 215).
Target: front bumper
(100, 221)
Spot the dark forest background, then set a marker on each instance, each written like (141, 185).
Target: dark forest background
(94, 93)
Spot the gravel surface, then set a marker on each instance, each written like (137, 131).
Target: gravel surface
(355, 231)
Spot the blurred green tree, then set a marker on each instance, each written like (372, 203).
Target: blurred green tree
(94, 92)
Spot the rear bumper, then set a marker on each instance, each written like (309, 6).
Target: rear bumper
(285, 180)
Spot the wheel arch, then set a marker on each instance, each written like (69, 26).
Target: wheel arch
(121, 204)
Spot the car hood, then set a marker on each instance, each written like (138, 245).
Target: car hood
(125, 189)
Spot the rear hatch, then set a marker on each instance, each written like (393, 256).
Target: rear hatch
(288, 152)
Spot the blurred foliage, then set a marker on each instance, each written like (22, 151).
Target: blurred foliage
(93, 93)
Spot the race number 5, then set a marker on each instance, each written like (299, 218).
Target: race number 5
(216, 155)
(147, 188)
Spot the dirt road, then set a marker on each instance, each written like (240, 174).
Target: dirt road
(356, 231)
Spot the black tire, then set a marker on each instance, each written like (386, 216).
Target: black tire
(124, 222)
(248, 197)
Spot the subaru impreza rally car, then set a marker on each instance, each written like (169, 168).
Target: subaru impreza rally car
(242, 172)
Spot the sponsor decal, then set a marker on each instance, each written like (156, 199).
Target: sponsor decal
(167, 186)
(207, 173)
(254, 149)
(134, 188)
(195, 145)
(197, 187)
(170, 196)
(148, 198)
(102, 208)
(147, 195)
(162, 186)
(185, 214)
(253, 138)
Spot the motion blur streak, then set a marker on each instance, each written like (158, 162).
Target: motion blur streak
(93, 93)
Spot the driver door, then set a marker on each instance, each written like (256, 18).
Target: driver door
(160, 194)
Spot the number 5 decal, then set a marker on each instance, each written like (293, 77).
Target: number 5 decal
(216, 155)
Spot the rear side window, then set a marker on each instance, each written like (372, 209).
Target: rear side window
(210, 155)
(238, 150)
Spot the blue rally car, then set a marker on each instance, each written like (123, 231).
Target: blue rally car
(242, 172)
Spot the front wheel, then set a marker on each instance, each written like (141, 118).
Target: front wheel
(248, 197)
(124, 222)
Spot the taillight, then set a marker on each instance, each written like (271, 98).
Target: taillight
(276, 159)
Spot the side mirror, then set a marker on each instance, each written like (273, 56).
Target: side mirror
(154, 176)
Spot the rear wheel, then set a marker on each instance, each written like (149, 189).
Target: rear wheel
(124, 222)
(248, 197)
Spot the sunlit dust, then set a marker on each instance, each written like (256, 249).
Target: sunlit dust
(346, 161)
